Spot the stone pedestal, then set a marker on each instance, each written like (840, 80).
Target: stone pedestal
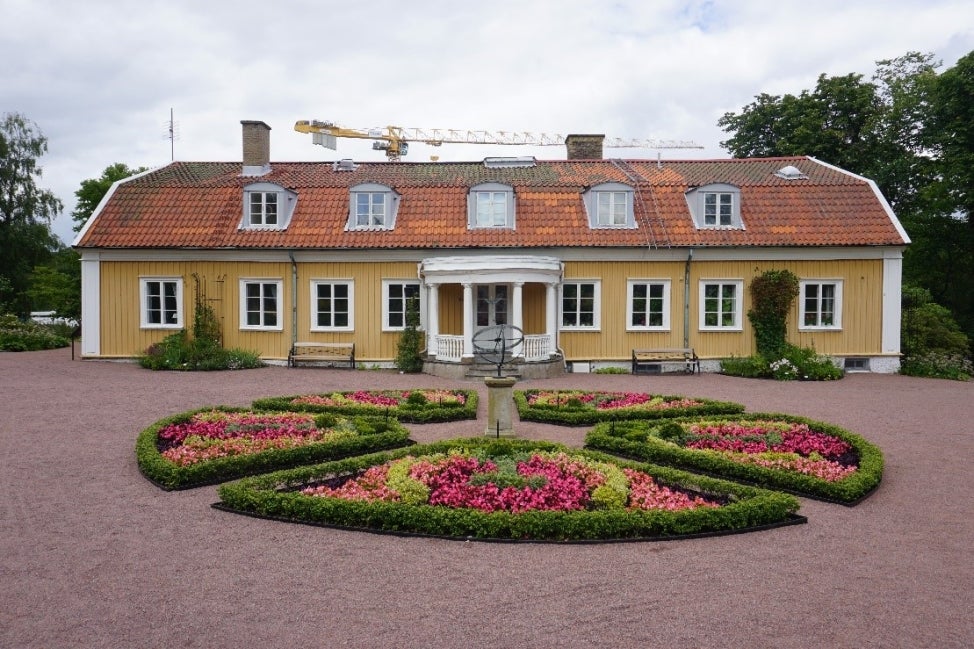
(500, 406)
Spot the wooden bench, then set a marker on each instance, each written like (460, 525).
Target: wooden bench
(650, 361)
(333, 353)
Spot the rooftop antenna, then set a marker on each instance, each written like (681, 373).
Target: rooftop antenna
(173, 135)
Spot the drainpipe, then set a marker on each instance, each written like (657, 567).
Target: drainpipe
(294, 298)
(686, 300)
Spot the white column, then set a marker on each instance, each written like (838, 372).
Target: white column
(892, 295)
(91, 304)
(517, 313)
(468, 309)
(432, 319)
(551, 315)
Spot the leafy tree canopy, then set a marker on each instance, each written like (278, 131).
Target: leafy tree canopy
(26, 210)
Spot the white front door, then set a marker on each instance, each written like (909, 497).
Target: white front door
(493, 305)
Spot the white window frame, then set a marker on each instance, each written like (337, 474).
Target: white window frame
(144, 322)
(284, 202)
(618, 194)
(387, 313)
(719, 212)
(496, 194)
(630, 297)
(836, 305)
(596, 305)
(738, 311)
(697, 203)
(350, 312)
(390, 207)
(279, 313)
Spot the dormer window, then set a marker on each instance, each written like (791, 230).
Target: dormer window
(610, 205)
(267, 207)
(490, 205)
(372, 207)
(716, 206)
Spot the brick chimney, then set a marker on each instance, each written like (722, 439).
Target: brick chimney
(584, 147)
(256, 148)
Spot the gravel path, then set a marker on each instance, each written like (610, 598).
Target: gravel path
(92, 555)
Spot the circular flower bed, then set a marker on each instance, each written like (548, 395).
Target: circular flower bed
(806, 457)
(578, 407)
(508, 489)
(416, 406)
(217, 444)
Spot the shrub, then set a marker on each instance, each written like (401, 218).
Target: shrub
(801, 363)
(772, 293)
(201, 353)
(933, 344)
(17, 335)
(663, 445)
(571, 409)
(277, 495)
(409, 409)
(409, 358)
(372, 434)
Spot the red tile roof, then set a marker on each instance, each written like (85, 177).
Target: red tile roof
(200, 205)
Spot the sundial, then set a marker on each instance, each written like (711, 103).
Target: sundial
(495, 344)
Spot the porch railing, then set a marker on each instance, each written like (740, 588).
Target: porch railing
(536, 348)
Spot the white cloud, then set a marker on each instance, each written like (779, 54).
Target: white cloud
(99, 78)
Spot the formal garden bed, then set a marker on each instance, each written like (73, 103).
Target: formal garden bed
(420, 405)
(794, 454)
(508, 490)
(584, 408)
(213, 445)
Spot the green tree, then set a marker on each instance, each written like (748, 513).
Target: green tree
(26, 211)
(408, 353)
(57, 286)
(911, 131)
(94, 189)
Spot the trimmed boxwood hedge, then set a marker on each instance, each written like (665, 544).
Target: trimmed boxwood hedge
(425, 413)
(584, 415)
(375, 433)
(639, 440)
(276, 496)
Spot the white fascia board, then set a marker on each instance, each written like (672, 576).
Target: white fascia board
(104, 201)
(879, 195)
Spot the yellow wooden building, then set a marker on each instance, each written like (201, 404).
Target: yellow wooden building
(589, 258)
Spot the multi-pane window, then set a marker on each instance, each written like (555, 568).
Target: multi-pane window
(580, 305)
(718, 208)
(260, 304)
(398, 298)
(721, 304)
(370, 209)
(331, 305)
(649, 304)
(263, 208)
(491, 209)
(821, 305)
(612, 208)
(162, 303)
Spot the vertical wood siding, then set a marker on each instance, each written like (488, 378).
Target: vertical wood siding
(122, 336)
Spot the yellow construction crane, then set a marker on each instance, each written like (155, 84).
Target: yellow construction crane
(394, 140)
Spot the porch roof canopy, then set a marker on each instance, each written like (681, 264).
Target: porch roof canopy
(491, 269)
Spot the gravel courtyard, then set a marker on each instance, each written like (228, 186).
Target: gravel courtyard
(93, 555)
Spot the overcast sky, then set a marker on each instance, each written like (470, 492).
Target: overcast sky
(99, 77)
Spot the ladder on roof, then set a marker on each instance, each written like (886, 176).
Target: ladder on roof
(638, 179)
